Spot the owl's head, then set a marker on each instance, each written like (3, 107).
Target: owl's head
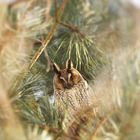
(66, 78)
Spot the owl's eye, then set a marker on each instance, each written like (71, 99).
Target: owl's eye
(62, 78)
(69, 77)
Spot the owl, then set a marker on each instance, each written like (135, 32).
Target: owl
(71, 92)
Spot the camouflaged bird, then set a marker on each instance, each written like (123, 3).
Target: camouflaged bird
(71, 92)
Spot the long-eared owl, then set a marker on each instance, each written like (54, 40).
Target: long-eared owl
(71, 91)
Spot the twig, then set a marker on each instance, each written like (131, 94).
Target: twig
(49, 36)
(41, 49)
(55, 5)
(60, 10)
(49, 61)
(103, 120)
(47, 11)
(73, 28)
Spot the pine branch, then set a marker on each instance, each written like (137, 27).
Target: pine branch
(49, 36)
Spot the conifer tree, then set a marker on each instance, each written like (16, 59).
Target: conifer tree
(98, 37)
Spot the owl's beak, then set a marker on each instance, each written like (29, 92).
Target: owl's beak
(69, 86)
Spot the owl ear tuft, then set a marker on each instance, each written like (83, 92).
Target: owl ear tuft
(69, 64)
(56, 68)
